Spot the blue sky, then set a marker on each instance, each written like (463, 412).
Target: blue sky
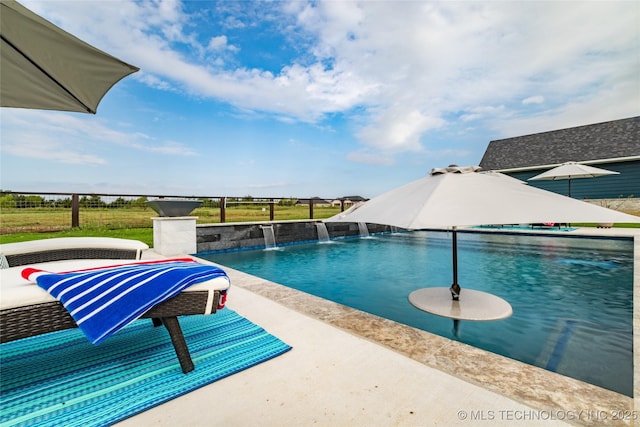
(314, 98)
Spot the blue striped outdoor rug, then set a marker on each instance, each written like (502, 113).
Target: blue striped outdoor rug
(62, 379)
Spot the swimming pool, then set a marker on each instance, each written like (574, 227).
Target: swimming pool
(571, 297)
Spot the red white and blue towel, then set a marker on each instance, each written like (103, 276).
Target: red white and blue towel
(104, 300)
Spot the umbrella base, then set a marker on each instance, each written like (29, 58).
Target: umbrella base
(472, 305)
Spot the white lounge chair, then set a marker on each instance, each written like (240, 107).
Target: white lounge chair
(26, 309)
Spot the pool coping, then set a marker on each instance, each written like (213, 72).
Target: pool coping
(527, 384)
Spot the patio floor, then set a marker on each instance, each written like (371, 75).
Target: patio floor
(349, 368)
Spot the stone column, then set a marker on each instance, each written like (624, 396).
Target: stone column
(174, 235)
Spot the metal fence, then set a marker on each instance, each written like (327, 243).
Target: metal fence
(36, 212)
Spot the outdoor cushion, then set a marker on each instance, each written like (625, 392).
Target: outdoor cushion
(15, 291)
(103, 300)
(64, 248)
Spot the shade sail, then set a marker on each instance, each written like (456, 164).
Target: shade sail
(44, 67)
(467, 197)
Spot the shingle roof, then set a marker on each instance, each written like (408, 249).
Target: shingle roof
(608, 140)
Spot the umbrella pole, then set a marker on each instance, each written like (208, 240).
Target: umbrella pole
(455, 287)
(456, 328)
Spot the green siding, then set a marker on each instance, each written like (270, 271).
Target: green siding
(627, 184)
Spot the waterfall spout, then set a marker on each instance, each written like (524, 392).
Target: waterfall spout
(269, 236)
(364, 231)
(323, 234)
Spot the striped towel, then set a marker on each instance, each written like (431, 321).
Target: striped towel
(104, 300)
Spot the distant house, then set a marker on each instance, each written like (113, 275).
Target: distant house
(317, 201)
(613, 145)
(347, 201)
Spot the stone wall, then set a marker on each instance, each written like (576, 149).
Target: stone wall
(230, 236)
(630, 205)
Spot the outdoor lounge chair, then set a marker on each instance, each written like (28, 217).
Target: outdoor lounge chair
(65, 248)
(549, 225)
(27, 310)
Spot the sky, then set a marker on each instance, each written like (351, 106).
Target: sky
(319, 98)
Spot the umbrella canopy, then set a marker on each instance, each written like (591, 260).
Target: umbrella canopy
(47, 68)
(572, 170)
(463, 196)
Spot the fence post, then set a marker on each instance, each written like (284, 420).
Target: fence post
(310, 208)
(271, 209)
(75, 211)
(223, 209)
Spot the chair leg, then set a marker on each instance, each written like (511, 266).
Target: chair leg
(179, 343)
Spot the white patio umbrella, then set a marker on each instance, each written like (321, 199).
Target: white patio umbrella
(572, 170)
(44, 67)
(461, 196)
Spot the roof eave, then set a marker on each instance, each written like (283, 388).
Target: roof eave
(553, 165)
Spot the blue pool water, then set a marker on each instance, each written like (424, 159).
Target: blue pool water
(571, 297)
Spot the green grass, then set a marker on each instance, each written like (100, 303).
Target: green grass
(593, 224)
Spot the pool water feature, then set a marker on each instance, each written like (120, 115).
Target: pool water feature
(571, 297)
(323, 233)
(364, 230)
(269, 236)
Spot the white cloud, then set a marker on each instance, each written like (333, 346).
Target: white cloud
(428, 61)
(397, 129)
(69, 138)
(220, 43)
(51, 150)
(407, 68)
(482, 112)
(538, 99)
(153, 81)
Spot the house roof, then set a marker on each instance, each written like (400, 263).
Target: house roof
(316, 200)
(352, 198)
(609, 140)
